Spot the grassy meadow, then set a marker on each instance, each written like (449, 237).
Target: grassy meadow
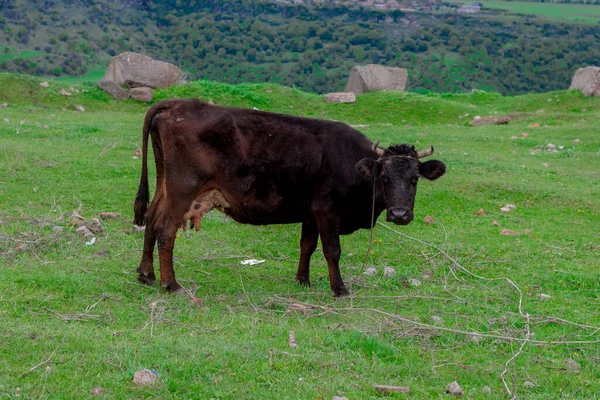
(578, 13)
(74, 321)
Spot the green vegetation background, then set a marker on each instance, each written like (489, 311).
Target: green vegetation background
(309, 47)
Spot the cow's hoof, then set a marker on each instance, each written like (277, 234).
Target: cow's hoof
(303, 281)
(172, 287)
(149, 279)
(340, 292)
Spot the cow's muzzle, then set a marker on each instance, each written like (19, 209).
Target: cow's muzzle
(400, 216)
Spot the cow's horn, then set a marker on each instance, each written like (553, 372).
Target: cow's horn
(425, 153)
(375, 144)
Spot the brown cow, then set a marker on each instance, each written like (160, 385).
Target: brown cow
(264, 168)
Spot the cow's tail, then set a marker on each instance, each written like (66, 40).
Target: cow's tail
(143, 194)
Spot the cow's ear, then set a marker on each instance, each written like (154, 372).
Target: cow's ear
(366, 167)
(432, 169)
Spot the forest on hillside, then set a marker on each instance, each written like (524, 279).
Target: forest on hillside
(309, 47)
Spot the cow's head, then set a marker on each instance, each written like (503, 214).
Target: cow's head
(395, 173)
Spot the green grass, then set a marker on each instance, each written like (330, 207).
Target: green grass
(585, 13)
(236, 344)
(24, 54)
(93, 76)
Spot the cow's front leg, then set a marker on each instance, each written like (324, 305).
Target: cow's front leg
(330, 238)
(308, 244)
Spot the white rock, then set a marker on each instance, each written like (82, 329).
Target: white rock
(437, 320)
(79, 108)
(388, 272)
(44, 84)
(572, 365)
(145, 377)
(414, 282)
(371, 271)
(529, 384)
(454, 389)
(542, 296)
(486, 389)
(551, 146)
(65, 93)
(6, 120)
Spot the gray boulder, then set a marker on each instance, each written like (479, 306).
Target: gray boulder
(137, 70)
(142, 93)
(587, 80)
(371, 77)
(340, 97)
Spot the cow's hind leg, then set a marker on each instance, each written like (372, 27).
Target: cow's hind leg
(308, 244)
(146, 267)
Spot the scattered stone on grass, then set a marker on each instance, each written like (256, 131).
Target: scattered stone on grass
(546, 164)
(85, 232)
(137, 153)
(477, 120)
(392, 389)
(487, 389)
(76, 218)
(508, 232)
(339, 398)
(428, 220)
(145, 377)
(388, 272)
(414, 282)
(427, 275)
(508, 208)
(454, 389)
(371, 271)
(79, 108)
(437, 320)
(6, 120)
(529, 384)
(97, 391)
(576, 141)
(496, 223)
(94, 225)
(572, 365)
(65, 93)
(536, 125)
(44, 84)
(524, 135)
(110, 215)
(3, 105)
(292, 339)
(340, 97)
(542, 296)
(197, 301)
(480, 212)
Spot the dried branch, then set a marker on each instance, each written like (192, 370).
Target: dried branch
(72, 317)
(46, 361)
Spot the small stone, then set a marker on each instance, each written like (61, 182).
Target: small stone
(523, 136)
(197, 301)
(76, 218)
(428, 220)
(529, 384)
(388, 272)
(546, 164)
(6, 120)
(534, 125)
(340, 97)
(542, 296)
(85, 232)
(145, 377)
(44, 84)
(486, 389)
(480, 212)
(513, 138)
(97, 391)
(46, 126)
(3, 105)
(496, 223)
(437, 320)
(79, 108)
(94, 226)
(572, 365)
(339, 398)
(137, 152)
(454, 389)
(269, 90)
(508, 232)
(371, 271)
(551, 146)
(576, 141)
(65, 93)
(414, 282)
(110, 215)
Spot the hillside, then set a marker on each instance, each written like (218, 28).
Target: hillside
(312, 46)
